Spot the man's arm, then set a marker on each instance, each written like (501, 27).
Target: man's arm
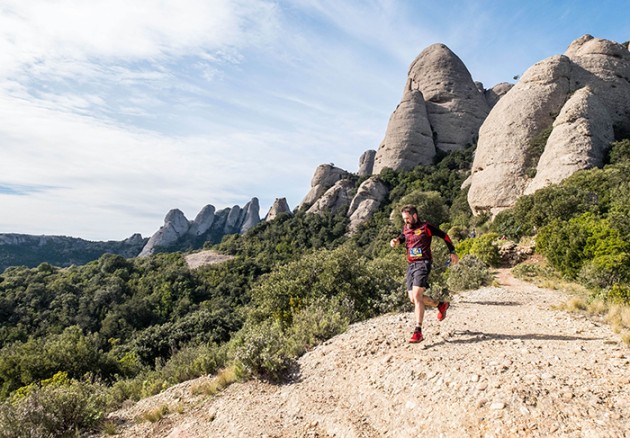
(435, 231)
(397, 241)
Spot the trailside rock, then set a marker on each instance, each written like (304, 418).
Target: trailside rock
(326, 175)
(408, 140)
(366, 163)
(504, 148)
(279, 206)
(455, 106)
(579, 140)
(370, 195)
(336, 199)
(175, 227)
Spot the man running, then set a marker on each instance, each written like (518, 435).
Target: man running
(417, 237)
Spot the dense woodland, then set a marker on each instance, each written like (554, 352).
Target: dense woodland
(76, 342)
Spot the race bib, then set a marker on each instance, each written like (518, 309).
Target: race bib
(415, 252)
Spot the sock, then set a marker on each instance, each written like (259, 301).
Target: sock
(418, 328)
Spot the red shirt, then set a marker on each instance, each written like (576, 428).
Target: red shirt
(417, 239)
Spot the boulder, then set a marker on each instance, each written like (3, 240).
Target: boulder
(336, 199)
(408, 139)
(279, 206)
(366, 163)
(581, 135)
(370, 195)
(326, 175)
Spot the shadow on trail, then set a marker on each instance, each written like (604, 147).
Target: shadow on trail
(470, 337)
(493, 303)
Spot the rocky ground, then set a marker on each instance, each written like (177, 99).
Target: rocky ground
(202, 258)
(503, 363)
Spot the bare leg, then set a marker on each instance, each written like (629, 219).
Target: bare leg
(417, 298)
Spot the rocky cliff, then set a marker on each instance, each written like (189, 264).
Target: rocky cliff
(442, 108)
(573, 105)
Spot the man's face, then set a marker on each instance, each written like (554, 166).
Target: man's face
(409, 219)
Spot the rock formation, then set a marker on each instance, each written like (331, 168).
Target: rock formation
(336, 199)
(366, 163)
(179, 233)
(441, 108)
(573, 98)
(408, 140)
(279, 206)
(175, 227)
(326, 175)
(497, 92)
(578, 141)
(203, 221)
(250, 215)
(455, 106)
(370, 195)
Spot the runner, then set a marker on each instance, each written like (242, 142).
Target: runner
(417, 237)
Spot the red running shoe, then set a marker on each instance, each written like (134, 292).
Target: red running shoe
(442, 310)
(416, 337)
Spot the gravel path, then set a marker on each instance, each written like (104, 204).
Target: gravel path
(501, 364)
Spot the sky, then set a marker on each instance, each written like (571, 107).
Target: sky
(114, 112)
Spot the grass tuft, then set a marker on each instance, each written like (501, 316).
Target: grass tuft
(224, 378)
(155, 415)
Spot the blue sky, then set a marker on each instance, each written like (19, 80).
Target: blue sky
(113, 112)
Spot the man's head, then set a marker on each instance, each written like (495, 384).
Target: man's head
(409, 214)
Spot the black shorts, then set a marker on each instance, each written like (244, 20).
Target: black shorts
(418, 274)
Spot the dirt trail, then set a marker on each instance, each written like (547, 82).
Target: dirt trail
(503, 363)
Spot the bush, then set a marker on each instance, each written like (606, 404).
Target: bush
(619, 293)
(569, 245)
(483, 247)
(469, 273)
(431, 208)
(58, 408)
(263, 350)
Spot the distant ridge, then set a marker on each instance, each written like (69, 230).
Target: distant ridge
(30, 251)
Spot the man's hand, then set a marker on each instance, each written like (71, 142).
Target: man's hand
(394, 242)
(454, 259)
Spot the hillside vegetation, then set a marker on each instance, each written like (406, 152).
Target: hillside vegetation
(122, 329)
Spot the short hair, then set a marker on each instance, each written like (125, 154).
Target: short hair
(411, 209)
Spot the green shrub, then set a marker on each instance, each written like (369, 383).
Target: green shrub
(619, 152)
(569, 245)
(431, 208)
(263, 350)
(482, 247)
(469, 273)
(619, 293)
(58, 408)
